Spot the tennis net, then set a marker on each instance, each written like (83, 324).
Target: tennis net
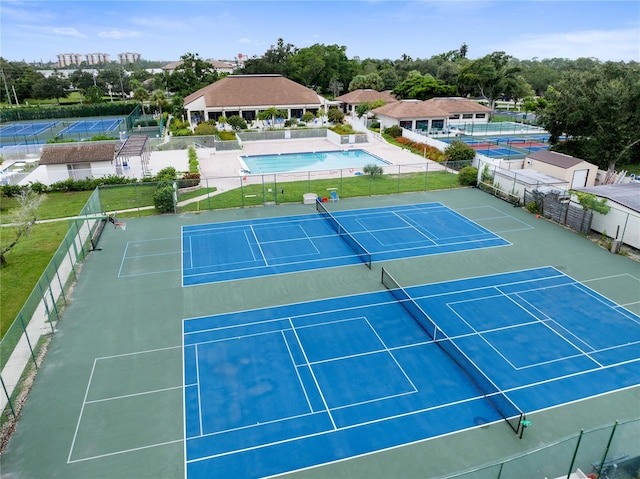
(498, 400)
(347, 237)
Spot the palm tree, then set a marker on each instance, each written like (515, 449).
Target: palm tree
(272, 113)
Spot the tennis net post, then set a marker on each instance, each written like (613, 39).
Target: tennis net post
(347, 237)
(504, 406)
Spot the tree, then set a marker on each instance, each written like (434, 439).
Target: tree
(335, 116)
(420, 87)
(335, 86)
(517, 88)
(271, 113)
(275, 60)
(317, 65)
(159, 100)
(93, 94)
(363, 108)
(371, 81)
(141, 95)
(598, 114)
(192, 74)
(23, 217)
(488, 76)
(54, 86)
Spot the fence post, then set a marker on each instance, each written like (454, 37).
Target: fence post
(606, 449)
(6, 393)
(26, 336)
(575, 454)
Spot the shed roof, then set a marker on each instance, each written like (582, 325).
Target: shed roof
(77, 153)
(531, 177)
(254, 90)
(556, 159)
(626, 194)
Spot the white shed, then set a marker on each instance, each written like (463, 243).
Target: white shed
(577, 172)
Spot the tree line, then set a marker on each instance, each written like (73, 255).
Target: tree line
(591, 108)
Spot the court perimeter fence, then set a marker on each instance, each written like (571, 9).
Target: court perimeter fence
(280, 188)
(35, 324)
(611, 451)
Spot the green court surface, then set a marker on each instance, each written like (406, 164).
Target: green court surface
(108, 400)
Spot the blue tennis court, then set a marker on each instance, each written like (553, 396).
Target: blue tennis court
(31, 128)
(280, 389)
(245, 249)
(92, 126)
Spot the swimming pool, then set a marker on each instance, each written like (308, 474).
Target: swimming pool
(310, 161)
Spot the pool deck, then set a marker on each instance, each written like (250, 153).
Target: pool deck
(226, 163)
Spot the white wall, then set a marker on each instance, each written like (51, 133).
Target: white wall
(619, 223)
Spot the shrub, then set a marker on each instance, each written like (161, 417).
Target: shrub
(237, 122)
(167, 174)
(308, 116)
(163, 199)
(394, 131)
(12, 190)
(205, 129)
(533, 207)
(459, 151)
(335, 116)
(372, 169)
(375, 125)
(227, 135)
(468, 176)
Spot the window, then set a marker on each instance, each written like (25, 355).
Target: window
(467, 115)
(481, 115)
(455, 117)
(406, 124)
(437, 124)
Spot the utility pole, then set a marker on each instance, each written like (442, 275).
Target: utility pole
(6, 87)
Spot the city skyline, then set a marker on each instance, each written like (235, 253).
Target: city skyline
(35, 31)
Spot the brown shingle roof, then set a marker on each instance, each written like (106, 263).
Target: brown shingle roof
(366, 95)
(411, 109)
(458, 105)
(77, 153)
(254, 90)
(555, 159)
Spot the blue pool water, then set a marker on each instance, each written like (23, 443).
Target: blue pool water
(321, 160)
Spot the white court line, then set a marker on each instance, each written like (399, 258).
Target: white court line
(198, 384)
(295, 367)
(315, 380)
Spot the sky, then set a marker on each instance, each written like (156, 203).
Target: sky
(382, 29)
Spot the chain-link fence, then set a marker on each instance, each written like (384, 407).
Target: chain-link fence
(35, 322)
(290, 187)
(611, 452)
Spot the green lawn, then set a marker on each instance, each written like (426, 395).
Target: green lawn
(25, 264)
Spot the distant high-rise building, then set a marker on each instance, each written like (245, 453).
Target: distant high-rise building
(68, 59)
(128, 57)
(97, 58)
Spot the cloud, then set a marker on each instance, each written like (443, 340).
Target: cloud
(68, 32)
(118, 34)
(244, 40)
